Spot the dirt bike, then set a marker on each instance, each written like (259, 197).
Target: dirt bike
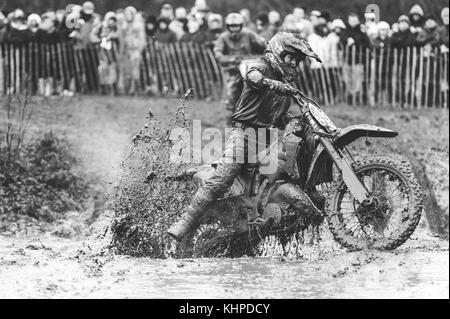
(373, 203)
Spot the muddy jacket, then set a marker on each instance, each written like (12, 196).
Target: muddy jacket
(259, 106)
(249, 43)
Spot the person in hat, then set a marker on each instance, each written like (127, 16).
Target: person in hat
(163, 33)
(383, 38)
(416, 18)
(403, 37)
(191, 29)
(17, 27)
(354, 33)
(335, 41)
(167, 12)
(231, 46)
(318, 38)
(265, 100)
(132, 42)
(429, 35)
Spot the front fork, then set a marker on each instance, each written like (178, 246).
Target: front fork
(355, 186)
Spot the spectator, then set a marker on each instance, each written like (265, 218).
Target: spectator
(302, 22)
(403, 37)
(274, 21)
(429, 35)
(109, 31)
(314, 17)
(163, 33)
(370, 25)
(263, 27)
(107, 69)
(443, 30)
(335, 40)
(61, 25)
(416, 18)
(200, 10)
(86, 26)
(290, 24)
(17, 27)
(178, 24)
(200, 37)
(150, 26)
(49, 75)
(354, 33)
(318, 41)
(33, 29)
(215, 28)
(167, 12)
(245, 13)
(132, 43)
(193, 27)
(383, 38)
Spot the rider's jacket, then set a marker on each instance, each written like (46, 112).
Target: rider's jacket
(259, 106)
(247, 43)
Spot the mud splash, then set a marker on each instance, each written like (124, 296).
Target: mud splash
(152, 190)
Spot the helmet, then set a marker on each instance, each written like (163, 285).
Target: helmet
(234, 19)
(284, 42)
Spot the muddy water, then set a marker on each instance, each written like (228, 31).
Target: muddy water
(60, 269)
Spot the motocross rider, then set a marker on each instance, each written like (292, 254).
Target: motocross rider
(265, 99)
(230, 47)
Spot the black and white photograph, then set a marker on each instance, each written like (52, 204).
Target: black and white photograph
(221, 150)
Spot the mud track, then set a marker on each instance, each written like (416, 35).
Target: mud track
(36, 262)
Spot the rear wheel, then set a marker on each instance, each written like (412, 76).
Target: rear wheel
(392, 217)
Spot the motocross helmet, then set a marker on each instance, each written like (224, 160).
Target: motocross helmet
(288, 42)
(234, 21)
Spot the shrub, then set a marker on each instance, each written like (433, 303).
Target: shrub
(36, 176)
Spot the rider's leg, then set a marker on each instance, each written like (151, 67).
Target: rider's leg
(214, 188)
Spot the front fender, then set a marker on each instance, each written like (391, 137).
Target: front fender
(351, 133)
(347, 135)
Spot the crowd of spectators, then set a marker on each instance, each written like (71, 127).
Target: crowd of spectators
(198, 24)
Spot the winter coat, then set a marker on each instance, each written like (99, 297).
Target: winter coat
(165, 36)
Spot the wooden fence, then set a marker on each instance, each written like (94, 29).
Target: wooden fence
(411, 77)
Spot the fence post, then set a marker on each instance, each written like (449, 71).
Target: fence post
(2, 71)
(419, 88)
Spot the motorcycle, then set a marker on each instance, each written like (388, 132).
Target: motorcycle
(371, 203)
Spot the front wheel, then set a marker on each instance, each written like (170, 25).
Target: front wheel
(393, 215)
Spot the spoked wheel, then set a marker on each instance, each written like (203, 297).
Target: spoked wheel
(392, 216)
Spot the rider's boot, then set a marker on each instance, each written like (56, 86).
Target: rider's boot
(190, 217)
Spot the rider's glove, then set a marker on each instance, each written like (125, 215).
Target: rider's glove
(278, 86)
